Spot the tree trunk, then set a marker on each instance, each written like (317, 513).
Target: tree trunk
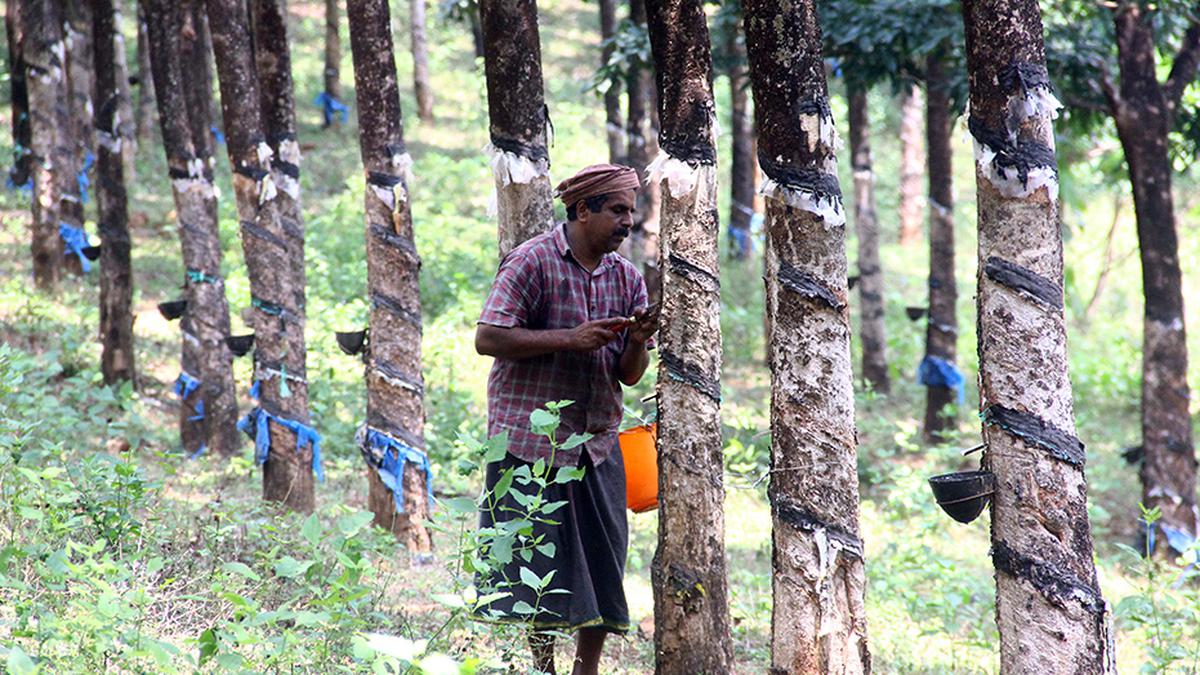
(941, 331)
(45, 79)
(819, 623)
(79, 134)
(422, 86)
(477, 38)
(333, 56)
(912, 158)
(116, 276)
(614, 130)
(183, 115)
(1144, 114)
(146, 106)
(1051, 615)
(642, 148)
(19, 174)
(395, 387)
(870, 274)
(691, 614)
(273, 248)
(126, 127)
(742, 170)
(518, 116)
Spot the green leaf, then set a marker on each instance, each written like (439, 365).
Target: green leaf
(208, 645)
(503, 484)
(530, 579)
(353, 523)
(539, 467)
(496, 447)
(242, 569)
(312, 618)
(451, 600)
(288, 567)
(18, 662)
(462, 505)
(574, 441)
(522, 607)
(311, 529)
(547, 549)
(551, 507)
(485, 600)
(543, 422)
(568, 474)
(502, 549)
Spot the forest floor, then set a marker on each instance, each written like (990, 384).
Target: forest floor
(181, 547)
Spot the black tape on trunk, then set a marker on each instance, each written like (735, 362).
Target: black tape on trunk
(394, 149)
(520, 148)
(383, 180)
(798, 281)
(693, 149)
(393, 372)
(394, 307)
(1055, 584)
(691, 375)
(698, 275)
(803, 520)
(821, 185)
(815, 106)
(286, 168)
(1024, 75)
(1025, 281)
(261, 233)
(252, 172)
(1020, 155)
(1034, 430)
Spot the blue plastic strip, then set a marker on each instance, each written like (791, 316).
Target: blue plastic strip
(935, 371)
(199, 451)
(82, 178)
(75, 240)
(217, 135)
(742, 240)
(185, 385)
(330, 106)
(396, 455)
(259, 419)
(199, 412)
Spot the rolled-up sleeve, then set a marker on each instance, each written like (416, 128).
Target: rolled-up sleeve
(515, 293)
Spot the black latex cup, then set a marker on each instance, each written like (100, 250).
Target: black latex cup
(173, 309)
(91, 252)
(963, 494)
(915, 313)
(351, 342)
(240, 344)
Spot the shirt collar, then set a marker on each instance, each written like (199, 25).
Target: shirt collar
(564, 249)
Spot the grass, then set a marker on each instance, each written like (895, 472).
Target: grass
(930, 597)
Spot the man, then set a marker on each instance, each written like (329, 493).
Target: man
(566, 319)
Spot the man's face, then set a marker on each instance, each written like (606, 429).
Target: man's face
(607, 228)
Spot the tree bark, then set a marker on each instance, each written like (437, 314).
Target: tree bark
(1051, 615)
(147, 108)
(422, 86)
(742, 170)
(642, 148)
(395, 386)
(126, 127)
(333, 55)
(79, 134)
(1144, 113)
(818, 624)
(941, 331)
(870, 274)
(19, 173)
(613, 128)
(691, 614)
(273, 247)
(912, 158)
(183, 112)
(477, 38)
(116, 276)
(45, 77)
(518, 116)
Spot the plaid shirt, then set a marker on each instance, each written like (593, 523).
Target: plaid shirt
(540, 286)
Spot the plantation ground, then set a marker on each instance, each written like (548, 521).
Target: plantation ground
(116, 552)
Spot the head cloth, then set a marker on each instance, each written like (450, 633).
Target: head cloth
(597, 179)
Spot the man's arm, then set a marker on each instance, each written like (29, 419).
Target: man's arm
(518, 343)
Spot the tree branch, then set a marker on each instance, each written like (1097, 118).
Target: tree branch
(1109, 88)
(1183, 70)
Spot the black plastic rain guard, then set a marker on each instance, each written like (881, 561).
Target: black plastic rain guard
(172, 309)
(963, 494)
(914, 313)
(240, 344)
(91, 252)
(351, 342)
(851, 282)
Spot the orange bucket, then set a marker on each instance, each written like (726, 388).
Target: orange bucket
(641, 467)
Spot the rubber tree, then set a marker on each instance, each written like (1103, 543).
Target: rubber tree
(116, 274)
(126, 123)
(912, 158)
(392, 440)
(208, 403)
(872, 332)
(1153, 123)
(818, 621)
(422, 87)
(743, 173)
(80, 134)
(641, 148)
(614, 131)
(518, 119)
(691, 612)
(1049, 609)
(43, 51)
(19, 173)
(333, 57)
(273, 248)
(146, 106)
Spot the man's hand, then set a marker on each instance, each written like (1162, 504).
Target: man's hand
(592, 335)
(645, 323)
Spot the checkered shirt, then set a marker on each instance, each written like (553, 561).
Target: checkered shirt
(540, 286)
